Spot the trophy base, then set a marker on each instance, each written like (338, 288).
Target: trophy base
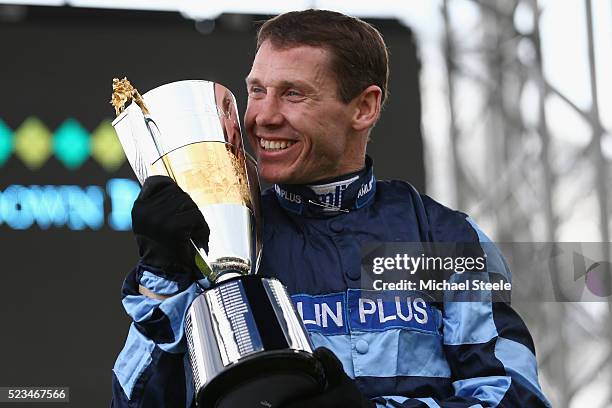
(248, 347)
(266, 380)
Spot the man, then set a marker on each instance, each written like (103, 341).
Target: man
(315, 92)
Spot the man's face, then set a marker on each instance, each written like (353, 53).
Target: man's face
(294, 119)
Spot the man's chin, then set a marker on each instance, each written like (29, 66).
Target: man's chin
(277, 176)
(275, 179)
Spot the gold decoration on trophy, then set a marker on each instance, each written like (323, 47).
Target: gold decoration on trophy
(124, 92)
(210, 171)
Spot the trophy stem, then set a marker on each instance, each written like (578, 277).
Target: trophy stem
(227, 276)
(218, 270)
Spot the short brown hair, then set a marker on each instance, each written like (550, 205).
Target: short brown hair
(359, 53)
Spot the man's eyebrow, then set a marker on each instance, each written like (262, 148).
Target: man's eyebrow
(250, 80)
(283, 84)
(296, 84)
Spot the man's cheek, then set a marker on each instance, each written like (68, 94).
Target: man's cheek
(248, 127)
(248, 134)
(248, 119)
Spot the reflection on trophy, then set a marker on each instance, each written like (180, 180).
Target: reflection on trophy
(247, 345)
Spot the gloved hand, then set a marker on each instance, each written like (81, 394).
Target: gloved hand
(341, 390)
(164, 218)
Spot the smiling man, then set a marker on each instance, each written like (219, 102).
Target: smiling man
(315, 92)
(302, 129)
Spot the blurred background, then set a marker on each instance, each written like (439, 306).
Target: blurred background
(499, 108)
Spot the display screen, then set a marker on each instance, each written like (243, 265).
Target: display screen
(66, 189)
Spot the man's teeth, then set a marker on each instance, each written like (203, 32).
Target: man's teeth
(275, 144)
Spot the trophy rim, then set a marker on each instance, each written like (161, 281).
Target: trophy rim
(125, 111)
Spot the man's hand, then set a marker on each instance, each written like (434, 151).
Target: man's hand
(341, 390)
(164, 218)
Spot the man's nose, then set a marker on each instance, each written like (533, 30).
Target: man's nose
(269, 112)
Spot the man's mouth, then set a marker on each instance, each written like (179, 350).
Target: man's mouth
(275, 145)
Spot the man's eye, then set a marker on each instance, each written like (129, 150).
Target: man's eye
(256, 91)
(292, 93)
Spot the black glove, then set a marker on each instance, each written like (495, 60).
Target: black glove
(164, 218)
(341, 390)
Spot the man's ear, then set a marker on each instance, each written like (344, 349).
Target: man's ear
(367, 108)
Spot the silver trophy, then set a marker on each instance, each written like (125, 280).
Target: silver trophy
(247, 344)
